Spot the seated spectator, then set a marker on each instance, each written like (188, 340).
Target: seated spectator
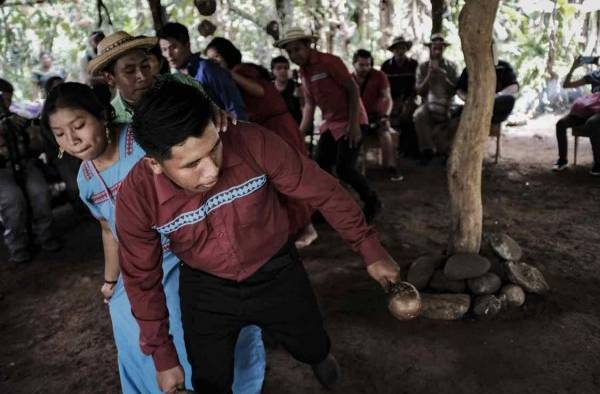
(401, 72)
(377, 99)
(42, 74)
(436, 83)
(21, 182)
(506, 89)
(587, 115)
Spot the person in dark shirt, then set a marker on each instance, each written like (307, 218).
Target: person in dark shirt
(401, 71)
(21, 184)
(590, 122)
(289, 89)
(506, 88)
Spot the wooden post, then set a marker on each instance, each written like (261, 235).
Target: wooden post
(438, 8)
(465, 163)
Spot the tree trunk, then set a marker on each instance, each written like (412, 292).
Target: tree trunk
(285, 11)
(465, 163)
(386, 15)
(550, 72)
(158, 17)
(438, 8)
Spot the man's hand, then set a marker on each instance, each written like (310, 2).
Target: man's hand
(385, 272)
(354, 135)
(221, 118)
(171, 380)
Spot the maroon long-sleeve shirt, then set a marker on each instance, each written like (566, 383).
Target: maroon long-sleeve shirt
(229, 231)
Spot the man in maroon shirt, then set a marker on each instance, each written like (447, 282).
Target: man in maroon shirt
(216, 197)
(377, 98)
(328, 85)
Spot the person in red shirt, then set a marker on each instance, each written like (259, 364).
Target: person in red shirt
(216, 198)
(377, 97)
(266, 107)
(328, 85)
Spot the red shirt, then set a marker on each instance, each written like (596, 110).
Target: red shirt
(230, 231)
(371, 92)
(324, 77)
(260, 109)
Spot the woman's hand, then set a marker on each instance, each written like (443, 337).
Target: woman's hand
(107, 290)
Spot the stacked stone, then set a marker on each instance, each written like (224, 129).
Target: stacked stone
(451, 287)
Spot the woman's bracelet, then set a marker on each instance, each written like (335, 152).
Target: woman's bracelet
(110, 282)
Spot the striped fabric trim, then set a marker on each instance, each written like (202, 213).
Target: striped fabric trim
(129, 141)
(87, 173)
(214, 202)
(101, 197)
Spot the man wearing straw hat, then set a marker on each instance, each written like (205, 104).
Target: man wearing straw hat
(436, 84)
(123, 62)
(400, 70)
(328, 84)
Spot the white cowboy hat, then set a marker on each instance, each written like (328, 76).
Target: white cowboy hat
(295, 34)
(115, 45)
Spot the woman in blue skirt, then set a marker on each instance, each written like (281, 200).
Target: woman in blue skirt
(81, 127)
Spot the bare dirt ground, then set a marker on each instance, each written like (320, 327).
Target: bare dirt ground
(55, 334)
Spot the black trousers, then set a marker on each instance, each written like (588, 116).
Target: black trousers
(338, 153)
(278, 298)
(503, 106)
(591, 126)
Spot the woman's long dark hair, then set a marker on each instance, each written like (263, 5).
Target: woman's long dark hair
(233, 56)
(74, 95)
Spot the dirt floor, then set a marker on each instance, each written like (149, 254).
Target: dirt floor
(55, 334)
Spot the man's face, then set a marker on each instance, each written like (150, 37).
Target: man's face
(399, 51)
(7, 98)
(298, 52)
(194, 165)
(46, 60)
(436, 51)
(281, 71)
(132, 75)
(362, 66)
(176, 53)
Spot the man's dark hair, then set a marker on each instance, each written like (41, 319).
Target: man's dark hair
(175, 31)
(6, 86)
(227, 50)
(167, 115)
(279, 60)
(362, 53)
(74, 95)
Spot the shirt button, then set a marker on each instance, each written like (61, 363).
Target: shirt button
(220, 234)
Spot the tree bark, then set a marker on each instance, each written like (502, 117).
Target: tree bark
(438, 8)
(386, 15)
(465, 163)
(157, 14)
(551, 60)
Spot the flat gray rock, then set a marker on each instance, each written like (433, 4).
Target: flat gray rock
(505, 247)
(488, 283)
(486, 306)
(421, 270)
(512, 295)
(466, 266)
(528, 277)
(444, 306)
(441, 283)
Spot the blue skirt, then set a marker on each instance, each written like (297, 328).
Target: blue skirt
(137, 372)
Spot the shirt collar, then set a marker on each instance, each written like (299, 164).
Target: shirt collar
(166, 189)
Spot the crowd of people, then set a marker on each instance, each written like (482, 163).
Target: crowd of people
(196, 167)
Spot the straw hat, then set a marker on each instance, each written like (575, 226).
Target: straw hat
(399, 40)
(294, 34)
(115, 45)
(437, 38)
